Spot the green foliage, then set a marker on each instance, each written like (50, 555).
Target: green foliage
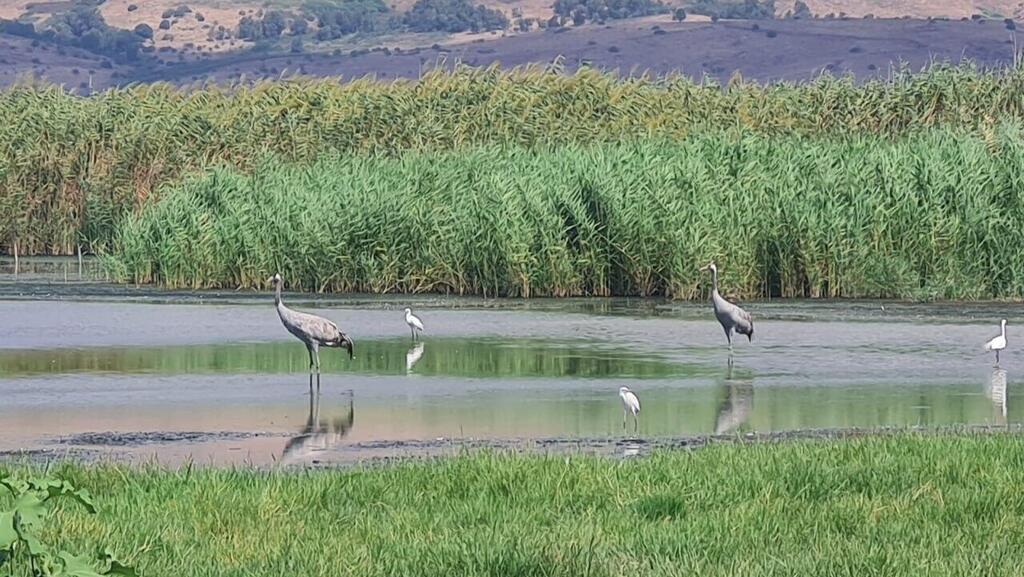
(22, 551)
(453, 16)
(937, 214)
(901, 507)
(337, 18)
(83, 26)
(734, 9)
(272, 25)
(601, 10)
(72, 167)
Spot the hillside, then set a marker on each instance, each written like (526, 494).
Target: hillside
(203, 41)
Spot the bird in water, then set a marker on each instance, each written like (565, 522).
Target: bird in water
(732, 317)
(312, 330)
(319, 435)
(998, 342)
(630, 404)
(414, 322)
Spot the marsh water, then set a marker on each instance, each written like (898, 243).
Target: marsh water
(104, 371)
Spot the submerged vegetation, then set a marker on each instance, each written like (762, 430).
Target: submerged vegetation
(937, 214)
(907, 505)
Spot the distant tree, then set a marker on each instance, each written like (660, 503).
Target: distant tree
(453, 16)
(169, 13)
(801, 11)
(165, 24)
(296, 47)
(298, 27)
(143, 31)
(199, 17)
(132, 7)
(679, 14)
(1010, 24)
(579, 17)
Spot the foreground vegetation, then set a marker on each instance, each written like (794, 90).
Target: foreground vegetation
(932, 215)
(72, 167)
(909, 505)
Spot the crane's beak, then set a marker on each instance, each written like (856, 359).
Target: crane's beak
(346, 343)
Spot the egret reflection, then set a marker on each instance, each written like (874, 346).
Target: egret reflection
(737, 401)
(996, 391)
(321, 433)
(413, 356)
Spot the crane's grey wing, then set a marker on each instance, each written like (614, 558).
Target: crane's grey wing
(314, 327)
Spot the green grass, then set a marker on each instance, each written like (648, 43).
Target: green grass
(906, 505)
(71, 168)
(933, 215)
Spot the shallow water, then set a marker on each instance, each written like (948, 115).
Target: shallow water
(136, 373)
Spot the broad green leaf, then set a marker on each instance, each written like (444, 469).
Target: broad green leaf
(81, 566)
(8, 535)
(66, 489)
(29, 509)
(35, 546)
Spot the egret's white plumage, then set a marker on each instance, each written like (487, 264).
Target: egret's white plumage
(630, 404)
(414, 322)
(998, 342)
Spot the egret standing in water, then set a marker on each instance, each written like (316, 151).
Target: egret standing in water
(732, 317)
(998, 342)
(414, 322)
(630, 404)
(312, 330)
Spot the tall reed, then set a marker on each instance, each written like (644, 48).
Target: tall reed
(73, 167)
(937, 214)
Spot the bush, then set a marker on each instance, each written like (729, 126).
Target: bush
(337, 19)
(132, 7)
(1010, 24)
(453, 16)
(84, 27)
(742, 10)
(143, 31)
(679, 14)
(165, 24)
(601, 10)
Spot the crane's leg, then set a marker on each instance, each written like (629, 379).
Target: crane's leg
(316, 353)
(310, 349)
(728, 337)
(624, 413)
(997, 356)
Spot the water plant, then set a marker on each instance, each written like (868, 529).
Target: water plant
(937, 214)
(72, 167)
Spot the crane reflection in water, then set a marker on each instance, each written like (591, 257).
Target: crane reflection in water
(320, 433)
(737, 401)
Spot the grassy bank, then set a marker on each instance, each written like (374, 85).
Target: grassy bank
(895, 506)
(938, 214)
(71, 167)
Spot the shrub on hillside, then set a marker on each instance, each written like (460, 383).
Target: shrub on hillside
(453, 16)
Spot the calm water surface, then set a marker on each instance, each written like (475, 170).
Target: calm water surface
(140, 373)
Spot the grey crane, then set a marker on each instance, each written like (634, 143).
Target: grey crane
(312, 330)
(732, 317)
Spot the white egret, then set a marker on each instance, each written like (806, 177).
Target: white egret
(729, 315)
(312, 330)
(630, 404)
(414, 322)
(998, 342)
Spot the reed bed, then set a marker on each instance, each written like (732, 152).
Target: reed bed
(932, 215)
(71, 167)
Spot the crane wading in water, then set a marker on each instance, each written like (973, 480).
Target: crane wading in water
(998, 342)
(732, 317)
(630, 404)
(312, 330)
(414, 322)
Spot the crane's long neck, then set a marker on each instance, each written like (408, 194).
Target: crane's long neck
(714, 280)
(277, 297)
